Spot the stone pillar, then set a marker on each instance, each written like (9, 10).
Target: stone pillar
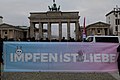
(13, 34)
(96, 31)
(1, 34)
(68, 30)
(60, 31)
(49, 31)
(91, 32)
(27, 34)
(8, 33)
(108, 33)
(103, 31)
(40, 30)
(77, 30)
(32, 33)
(20, 36)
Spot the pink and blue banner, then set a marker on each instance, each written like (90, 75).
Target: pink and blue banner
(60, 57)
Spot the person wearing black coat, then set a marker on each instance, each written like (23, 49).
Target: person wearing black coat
(1, 50)
(118, 59)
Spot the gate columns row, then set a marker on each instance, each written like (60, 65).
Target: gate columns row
(32, 30)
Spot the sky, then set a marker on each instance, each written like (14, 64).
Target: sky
(16, 12)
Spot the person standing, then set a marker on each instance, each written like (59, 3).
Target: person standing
(1, 50)
(118, 59)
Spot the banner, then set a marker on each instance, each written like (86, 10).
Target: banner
(60, 57)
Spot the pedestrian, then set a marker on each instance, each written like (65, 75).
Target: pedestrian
(1, 50)
(118, 59)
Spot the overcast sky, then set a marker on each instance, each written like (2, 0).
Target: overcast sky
(16, 12)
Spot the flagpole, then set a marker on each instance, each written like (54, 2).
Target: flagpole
(84, 26)
(84, 31)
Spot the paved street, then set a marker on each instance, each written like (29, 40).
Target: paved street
(57, 76)
(115, 75)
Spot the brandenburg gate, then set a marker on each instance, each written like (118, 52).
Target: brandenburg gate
(54, 15)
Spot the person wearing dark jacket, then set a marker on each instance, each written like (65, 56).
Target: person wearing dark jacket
(1, 50)
(118, 59)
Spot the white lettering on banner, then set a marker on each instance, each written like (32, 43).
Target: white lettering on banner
(97, 58)
(36, 57)
(105, 58)
(28, 57)
(66, 57)
(19, 57)
(112, 57)
(44, 57)
(74, 57)
(91, 58)
(53, 57)
(61, 57)
(11, 57)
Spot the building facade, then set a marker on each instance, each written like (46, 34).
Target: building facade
(98, 28)
(113, 18)
(8, 31)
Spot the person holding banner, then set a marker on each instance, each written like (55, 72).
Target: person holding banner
(1, 50)
(118, 59)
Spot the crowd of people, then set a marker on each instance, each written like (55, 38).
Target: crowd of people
(41, 40)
